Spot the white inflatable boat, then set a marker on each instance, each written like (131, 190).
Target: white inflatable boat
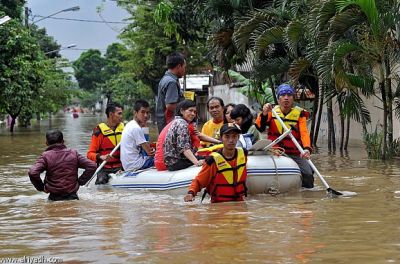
(265, 174)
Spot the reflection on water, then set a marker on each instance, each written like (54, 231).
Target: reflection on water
(119, 226)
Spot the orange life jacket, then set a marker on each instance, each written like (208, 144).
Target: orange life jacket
(110, 140)
(291, 119)
(229, 184)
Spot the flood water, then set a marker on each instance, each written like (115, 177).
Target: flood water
(120, 226)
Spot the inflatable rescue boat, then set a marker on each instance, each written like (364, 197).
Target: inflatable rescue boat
(265, 174)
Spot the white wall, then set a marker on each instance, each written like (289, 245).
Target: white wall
(374, 106)
(229, 95)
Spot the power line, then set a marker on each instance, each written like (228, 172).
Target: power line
(86, 20)
(86, 49)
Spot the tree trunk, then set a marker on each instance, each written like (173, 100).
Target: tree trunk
(331, 128)
(12, 123)
(314, 116)
(389, 103)
(273, 90)
(384, 104)
(38, 116)
(320, 108)
(346, 143)
(341, 127)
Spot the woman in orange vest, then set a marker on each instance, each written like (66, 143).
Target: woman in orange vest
(224, 172)
(295, 117)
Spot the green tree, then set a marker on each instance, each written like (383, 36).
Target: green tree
(89, 70)
(21, 68)
(46, 43)
(365, 33)
(148, 43)
(114, 58)
(12, 8)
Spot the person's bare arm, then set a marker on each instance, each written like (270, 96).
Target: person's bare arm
(208, 139)
(189, 155)
(146, 147)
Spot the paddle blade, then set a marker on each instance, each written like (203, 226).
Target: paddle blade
(333, 192)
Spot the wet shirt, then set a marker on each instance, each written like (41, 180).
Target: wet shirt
(211, 129)
(131, 141)
(177, 141)
(169, 92)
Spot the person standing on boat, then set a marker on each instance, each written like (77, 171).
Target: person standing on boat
(215, 107)
(61, 165)
(169, 90)
(136, 153)
(224, 172)
(292, 116)
(105, 138)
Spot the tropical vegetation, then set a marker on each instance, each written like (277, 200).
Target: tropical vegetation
(344, 51)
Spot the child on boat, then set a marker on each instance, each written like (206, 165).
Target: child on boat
(61, 165)
(224, 172)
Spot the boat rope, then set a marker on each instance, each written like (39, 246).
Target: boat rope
(274, 190)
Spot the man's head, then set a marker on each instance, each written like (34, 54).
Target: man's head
(141, 112)
(285, 96)
(176, 63)
(215, 107)
(230, 133)
(54, 136)
(114, 113)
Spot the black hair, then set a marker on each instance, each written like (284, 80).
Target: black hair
(54, 136)
(244, 112)
(139, 104)
(184, 105)
(175, 59)
(111, 107)
(215, 98)
(226, 110)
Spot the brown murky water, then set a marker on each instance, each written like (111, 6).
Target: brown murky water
(120, 226)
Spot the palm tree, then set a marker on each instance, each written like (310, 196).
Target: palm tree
(368, 32)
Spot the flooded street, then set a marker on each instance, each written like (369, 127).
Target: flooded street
(110, 225)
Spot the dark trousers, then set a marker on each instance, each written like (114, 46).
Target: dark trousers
(102, 175)
(307, 174)
(180, 165)
(63, 197)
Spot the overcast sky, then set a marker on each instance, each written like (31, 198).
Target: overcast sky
(85, 35)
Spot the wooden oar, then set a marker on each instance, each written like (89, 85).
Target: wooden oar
(102, 164)
(328, 189)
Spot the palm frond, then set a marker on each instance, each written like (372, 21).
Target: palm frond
(342, 22)
(269, 36)
(365, 83)
(293, 34)
(368, 7)
(353, 106)
(297, 67)
(270, 67)
(249, 23)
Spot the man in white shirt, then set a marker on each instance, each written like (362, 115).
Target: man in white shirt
(136, 153)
